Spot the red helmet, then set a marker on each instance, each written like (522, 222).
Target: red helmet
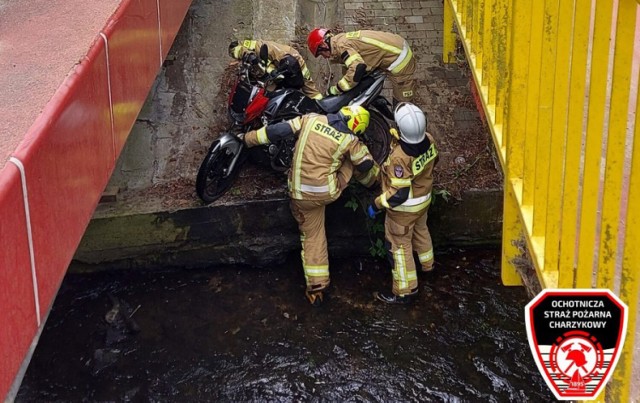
(315, 39)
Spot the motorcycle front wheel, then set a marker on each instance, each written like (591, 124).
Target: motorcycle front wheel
(376, 137)
(215, 176)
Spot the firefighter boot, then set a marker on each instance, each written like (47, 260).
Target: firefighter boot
(393, 299)
(316, 298)
(423, 268)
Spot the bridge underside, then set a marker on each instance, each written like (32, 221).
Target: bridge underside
(74, 76)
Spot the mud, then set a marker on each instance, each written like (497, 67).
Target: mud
(245, 334)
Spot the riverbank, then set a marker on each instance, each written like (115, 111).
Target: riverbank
(260, 231)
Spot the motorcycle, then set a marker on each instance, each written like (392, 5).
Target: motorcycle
(256, 102)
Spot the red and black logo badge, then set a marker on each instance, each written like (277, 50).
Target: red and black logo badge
(576, 337)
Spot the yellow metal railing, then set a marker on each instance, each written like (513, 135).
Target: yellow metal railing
(558, 81)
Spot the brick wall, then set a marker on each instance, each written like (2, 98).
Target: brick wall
(419, 22)
(443, 91)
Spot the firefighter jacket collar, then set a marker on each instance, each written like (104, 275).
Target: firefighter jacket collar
(335, 120)
(414, 150)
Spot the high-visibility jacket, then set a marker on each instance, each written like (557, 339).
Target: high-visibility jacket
(320, 151)
(370, 49)
(277, 52)
(407, 176)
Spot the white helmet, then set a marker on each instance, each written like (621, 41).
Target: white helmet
(412, 123)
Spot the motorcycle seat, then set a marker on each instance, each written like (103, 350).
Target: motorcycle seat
(333, 103)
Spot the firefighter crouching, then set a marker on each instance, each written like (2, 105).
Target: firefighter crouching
(327, 154)
(363, 51)
(296, 74)
(406, 179)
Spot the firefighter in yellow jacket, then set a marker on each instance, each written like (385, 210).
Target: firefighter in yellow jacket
(407, 178)
(327, 154)
(296, 74)
(364, 51)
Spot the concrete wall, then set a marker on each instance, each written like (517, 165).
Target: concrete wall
(186, 108)
(260, 233)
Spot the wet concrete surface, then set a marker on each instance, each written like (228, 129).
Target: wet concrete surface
(247, 334)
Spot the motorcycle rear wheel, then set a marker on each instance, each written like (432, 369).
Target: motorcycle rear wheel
(377, 137)
(214, 178)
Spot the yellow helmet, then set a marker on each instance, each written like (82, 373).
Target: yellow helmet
(356, 117)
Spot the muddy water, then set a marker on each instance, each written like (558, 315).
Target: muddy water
(242, 334)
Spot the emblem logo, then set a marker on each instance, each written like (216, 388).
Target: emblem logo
(398, 171)
(576, 337)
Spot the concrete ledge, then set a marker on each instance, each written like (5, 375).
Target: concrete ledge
(259, 233)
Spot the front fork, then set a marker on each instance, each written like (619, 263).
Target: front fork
(239, 146)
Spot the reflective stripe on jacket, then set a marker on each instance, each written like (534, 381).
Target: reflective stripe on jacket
(374, 49)
(407, 175)
(319, 153)
(276, 52)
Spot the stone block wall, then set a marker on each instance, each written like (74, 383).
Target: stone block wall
(443, 91)
(419, 22)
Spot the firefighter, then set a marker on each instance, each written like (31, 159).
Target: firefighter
(327, 154)
(406, 179)
(296, 73)
(364, 51)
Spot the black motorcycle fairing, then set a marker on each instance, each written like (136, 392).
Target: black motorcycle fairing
(286, 103)
(242, 95)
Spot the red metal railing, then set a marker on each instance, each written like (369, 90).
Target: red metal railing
(52, 181)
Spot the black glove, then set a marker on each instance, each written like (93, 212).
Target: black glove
(289, 64)
(253, 59)
(284, 63)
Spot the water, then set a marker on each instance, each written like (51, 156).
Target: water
(243, 334)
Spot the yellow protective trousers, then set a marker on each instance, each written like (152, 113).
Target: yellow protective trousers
(315, 259)
(407, 233)
(310, 215)
(403, 82)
